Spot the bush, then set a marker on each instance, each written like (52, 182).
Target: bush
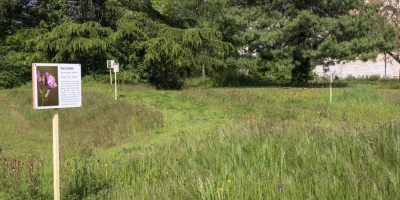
(14, 71)
(129, 77)
(231, 79)
(96, 78)
(374, 78)
(199, 82)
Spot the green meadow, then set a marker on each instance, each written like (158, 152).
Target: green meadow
(206, 143)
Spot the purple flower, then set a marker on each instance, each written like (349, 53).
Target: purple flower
(50, 80)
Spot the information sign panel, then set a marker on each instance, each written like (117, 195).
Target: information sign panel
(56, 85)
(116, 67)
(110, 64)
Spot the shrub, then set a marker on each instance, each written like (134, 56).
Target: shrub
(129, 77)
(374, 78)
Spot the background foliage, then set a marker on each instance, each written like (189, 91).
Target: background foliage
(163, 42)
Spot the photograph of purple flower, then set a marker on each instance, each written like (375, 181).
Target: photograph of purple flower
(47, 86)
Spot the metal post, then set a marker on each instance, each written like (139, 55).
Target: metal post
(56, 157)
(385, 68)
(330, 89)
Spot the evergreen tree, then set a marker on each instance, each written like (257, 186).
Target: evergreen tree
(86, 43)
(169, 54)
(17, 55)
(391, 11)
(296, 35)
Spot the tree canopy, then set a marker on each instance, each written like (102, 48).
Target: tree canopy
(162, 42)
(296, 35)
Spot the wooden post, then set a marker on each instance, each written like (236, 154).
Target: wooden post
(56, 157)
(115, 74)
(110, 77)
(330, 90)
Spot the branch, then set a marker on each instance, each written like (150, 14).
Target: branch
(394, 56)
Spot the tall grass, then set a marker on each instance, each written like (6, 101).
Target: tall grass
(275, 143)
(261, 160)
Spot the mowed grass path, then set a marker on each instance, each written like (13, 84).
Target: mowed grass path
(226, 143)
(194, 112)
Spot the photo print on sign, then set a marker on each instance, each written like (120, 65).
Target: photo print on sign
(47, 85)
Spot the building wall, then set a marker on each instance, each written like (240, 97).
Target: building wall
(360, 69)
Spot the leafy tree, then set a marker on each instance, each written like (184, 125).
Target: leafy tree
(390, 9)
(86, 43)
(50, 13)
(86, 10)
(19, 53)
(299, 34)
(164, 41)
(13, 15)
(169, 54)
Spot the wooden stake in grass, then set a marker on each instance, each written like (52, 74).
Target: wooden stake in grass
(116, 69)
(110, 77)
(56, 157)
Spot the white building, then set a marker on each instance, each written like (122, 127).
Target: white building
(360, 69)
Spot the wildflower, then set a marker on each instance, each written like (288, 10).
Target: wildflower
(221, 189)
(229, 181)
(50, 80)
(47, 82)
(318, 113)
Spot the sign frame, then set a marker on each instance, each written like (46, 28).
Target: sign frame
(56, 85)
(110, 64)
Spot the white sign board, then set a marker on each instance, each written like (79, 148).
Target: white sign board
(110, 64)
(116, 67)
(56, 85)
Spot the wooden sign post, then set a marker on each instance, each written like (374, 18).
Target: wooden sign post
(116, 69)
(56, 86)
(56, 156)
(110, 78)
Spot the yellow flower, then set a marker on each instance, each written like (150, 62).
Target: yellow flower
(105, 165)
(318, 113)
(221, 189)
(229, 181)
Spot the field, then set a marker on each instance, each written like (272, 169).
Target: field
(206, 143)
